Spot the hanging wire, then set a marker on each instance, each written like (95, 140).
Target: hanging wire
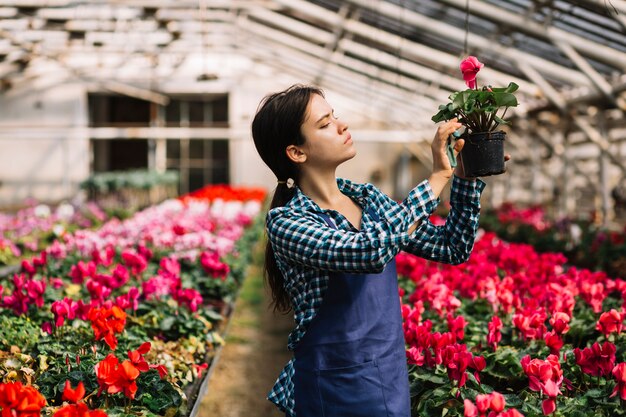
(400, 44)
(608, 3)
(467, 15)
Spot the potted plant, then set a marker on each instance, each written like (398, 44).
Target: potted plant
(477, 109)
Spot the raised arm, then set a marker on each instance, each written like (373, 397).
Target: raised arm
(304, 238)
(453, 242)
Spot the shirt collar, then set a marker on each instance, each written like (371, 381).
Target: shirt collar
(301, 201)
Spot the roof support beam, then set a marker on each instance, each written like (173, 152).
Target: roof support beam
(435, 78)
(434, 58)
(457, 35)
(492, 12)
(592, 134)
(114, 86)
(598, 80)
(351, 65)
(331, 47)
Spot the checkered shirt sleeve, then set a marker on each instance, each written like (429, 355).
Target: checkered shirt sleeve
(453, 242)
(299, 237)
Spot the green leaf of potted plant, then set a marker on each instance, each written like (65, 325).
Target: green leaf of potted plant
(481, 111)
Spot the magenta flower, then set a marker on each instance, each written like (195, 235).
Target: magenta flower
(212, 265)
(470, 67)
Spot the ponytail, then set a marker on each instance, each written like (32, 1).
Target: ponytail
(276, 125)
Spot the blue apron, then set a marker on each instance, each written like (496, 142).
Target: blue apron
(351, 361)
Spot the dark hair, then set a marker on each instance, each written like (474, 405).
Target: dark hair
(276, 125)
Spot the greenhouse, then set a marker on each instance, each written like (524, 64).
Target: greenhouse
(208, 207)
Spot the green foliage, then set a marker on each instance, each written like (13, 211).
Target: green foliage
(17, 331)
(106, 182)
(158, 395)
(477, 109)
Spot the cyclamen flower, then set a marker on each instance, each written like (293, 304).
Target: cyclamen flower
(136, 262)
(619, 372)
(494, 336)
(106, 322)
(559, 322)
(596, 361)
(531, 323)
(546, 377)
(82, 271)
(611, 322)
(114, 377)
(137, 359)
(20, 401)
(212, 265)
(470, 67)
(130, 300)
(73, 395)
(189, 297)
(554, 342)
(63, 309)
(486, 402)
(456, 325)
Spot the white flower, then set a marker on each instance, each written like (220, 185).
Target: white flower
(58, 229)
(65, 211)
(42, 211)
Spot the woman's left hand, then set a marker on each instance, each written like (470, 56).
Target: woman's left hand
(439, 146)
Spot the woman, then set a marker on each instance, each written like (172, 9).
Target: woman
(330, 258)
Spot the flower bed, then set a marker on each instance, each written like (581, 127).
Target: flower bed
(133, 311)
(583, 243)
(33, 228)
(514, 322)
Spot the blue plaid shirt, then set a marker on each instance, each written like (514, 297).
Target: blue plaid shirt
(307, 249)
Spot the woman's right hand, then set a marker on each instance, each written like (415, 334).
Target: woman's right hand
(441, 163)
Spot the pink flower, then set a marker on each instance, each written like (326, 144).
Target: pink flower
(470, 409)
(456, 325)
(63, 309)
(189, 297)
(212, 265)
(559, 322)
(494, 336)
(470, 67)
(415, 356)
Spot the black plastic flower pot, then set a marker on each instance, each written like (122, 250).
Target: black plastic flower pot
(483, 154)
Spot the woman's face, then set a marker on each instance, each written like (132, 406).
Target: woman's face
(327, 140)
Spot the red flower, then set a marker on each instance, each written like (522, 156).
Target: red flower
(544, 376)
(619, 372)
(73, 395)
(470, 409)
(470, 67)
(106, 322)
(137, 359)
(82, 270)
(78, 410)
(162, 370)
(17, 400)
(559, 322)
(596, 361)
(610, 322)
(554, 342)
(115, 377)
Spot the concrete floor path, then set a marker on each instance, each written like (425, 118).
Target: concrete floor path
(254, 354)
